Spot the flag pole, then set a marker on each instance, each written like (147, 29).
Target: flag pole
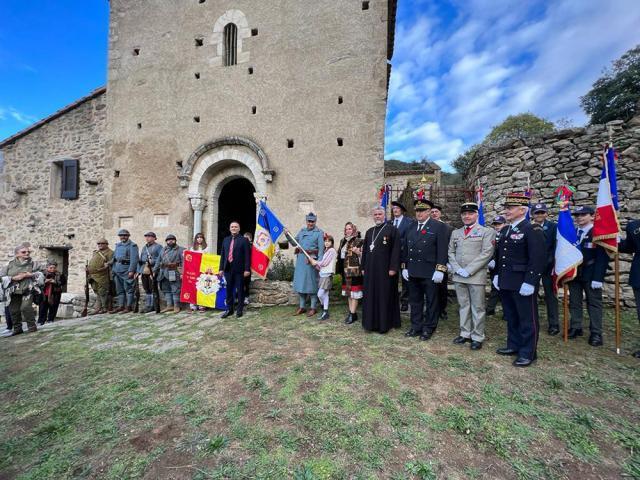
(617, 300)
(565, 312)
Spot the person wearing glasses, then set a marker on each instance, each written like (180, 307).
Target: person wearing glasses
(23, 277)
(99, 278)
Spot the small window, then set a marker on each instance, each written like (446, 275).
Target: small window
(136, 52)
(230, 44)
(196, 119)
(69, 176)
(254, 32)
(254, 110)
(199, 41)
(289, 143)
(250, 70)
(340, 100)
(340, 142)
(365, 5)
(201, 1)
(197, 75)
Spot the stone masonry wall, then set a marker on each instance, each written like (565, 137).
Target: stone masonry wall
(32, 212)
(576, 152)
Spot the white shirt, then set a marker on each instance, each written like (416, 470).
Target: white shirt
(397, 221)
(585, 231)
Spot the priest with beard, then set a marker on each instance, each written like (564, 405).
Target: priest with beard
(380, 265)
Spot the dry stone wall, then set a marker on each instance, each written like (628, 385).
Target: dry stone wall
(576, 153)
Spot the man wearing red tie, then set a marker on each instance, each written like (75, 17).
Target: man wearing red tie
(235, 263)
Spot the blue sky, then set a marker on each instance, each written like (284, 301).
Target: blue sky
(460, 66)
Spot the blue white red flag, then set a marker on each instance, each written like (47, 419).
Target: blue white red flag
(568, 255)
(268, 230)
(480, 202)
(606, 228)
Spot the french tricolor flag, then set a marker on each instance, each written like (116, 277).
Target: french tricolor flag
(568, 254)
(606, 229)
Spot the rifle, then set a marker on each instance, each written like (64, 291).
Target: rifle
(112, 291)
(136, 293)
(86, 291)
(154, 282)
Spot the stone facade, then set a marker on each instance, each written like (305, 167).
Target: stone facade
(30, 202)
(576, 153)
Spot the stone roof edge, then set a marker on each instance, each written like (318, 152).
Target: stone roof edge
(391, 20)
(96, 93)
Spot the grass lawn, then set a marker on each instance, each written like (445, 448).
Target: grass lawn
(276, 396)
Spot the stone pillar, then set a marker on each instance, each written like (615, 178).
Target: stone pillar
(198, 203)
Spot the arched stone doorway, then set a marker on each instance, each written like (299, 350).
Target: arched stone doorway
(236, 204)
(224, 179)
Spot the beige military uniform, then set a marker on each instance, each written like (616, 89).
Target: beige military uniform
(471, 250)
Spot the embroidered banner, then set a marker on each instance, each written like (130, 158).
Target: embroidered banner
(201, 284)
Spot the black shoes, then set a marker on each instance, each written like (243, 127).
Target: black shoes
(575, 332)
(636, 354)
(553, 331)
(459, 340)
(595, 340)
(325, 315)
(475, 345)
(404, 307)
(239, 314)
(426, 336)
(522, 362)
(489, 313)
(352, 317)
(412, 333)
(506, 351)
(226, 314)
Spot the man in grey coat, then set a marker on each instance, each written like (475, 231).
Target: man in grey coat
(125, 263)
(470, 250)
(168, 271)
(305, 277)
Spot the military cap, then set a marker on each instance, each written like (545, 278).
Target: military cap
(422, 204)
(52, 263)
(539, 207)
(311, 217)
(171, 236)
(499, 219)
(150, 234)
(123, 231)
(516, 200)
(396, 203)
(103, 240)
(436, 207)
(469, 207)
(583, 210)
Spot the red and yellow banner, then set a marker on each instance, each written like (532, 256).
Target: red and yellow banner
(201, 284)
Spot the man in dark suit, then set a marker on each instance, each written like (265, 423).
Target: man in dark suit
(443, 288)
(424, 265)
(235, 263)
(589, 279)
(549, 229)
(403, 224)
(631, 244)
(520, 260)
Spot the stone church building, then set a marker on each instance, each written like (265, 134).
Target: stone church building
(208, 105)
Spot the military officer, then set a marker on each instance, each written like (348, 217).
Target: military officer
(471, 248)
(168, 271)
(520, 260)
(149, 255)
(403, 223)
(125, 263)
(589, 279)
(424, 266)
(494, 296)
(549, 229)
(443, 289)
(99, 277)
(631, 244)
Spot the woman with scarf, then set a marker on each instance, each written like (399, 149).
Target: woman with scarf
(348, 266)
(54, 283)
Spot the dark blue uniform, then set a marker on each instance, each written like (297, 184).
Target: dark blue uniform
(550, 229)
(425, 250)
(631, 244)
(234, 270)
(403, 227)
(593, 268)
(520, 258)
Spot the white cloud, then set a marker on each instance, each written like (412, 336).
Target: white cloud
(7, 113)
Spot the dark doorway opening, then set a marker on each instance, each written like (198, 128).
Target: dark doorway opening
(236, 204)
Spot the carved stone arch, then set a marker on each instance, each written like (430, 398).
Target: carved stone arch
(217, 37)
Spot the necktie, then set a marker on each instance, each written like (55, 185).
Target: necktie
(396, 222)
(230, 257)
(420, 225)
(467, 230)
(580, 233)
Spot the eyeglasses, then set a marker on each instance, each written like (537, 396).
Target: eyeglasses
(102, 243)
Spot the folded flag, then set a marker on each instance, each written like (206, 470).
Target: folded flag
(606, 229)
(383, 196)
(201, 284)
(268, 230)
(480, 203)
(568, 255)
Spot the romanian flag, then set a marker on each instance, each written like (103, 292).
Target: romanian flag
(268, 230)
(201, 284)
(606, 228)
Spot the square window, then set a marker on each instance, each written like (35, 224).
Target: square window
(125, 222)
(160, 220)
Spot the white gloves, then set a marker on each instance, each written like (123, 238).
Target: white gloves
(526, 289)
(492, 264)
(495, 282)
(449, 268)
(405, 274)
(463, 273)
(596, 285)
(437, 277)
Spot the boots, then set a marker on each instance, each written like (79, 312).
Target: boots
(167, 309)
(325, 315)
(116, 310)
(352, 317)
(126, 310)
(176, 309)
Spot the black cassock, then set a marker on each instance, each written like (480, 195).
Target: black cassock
(380, 306)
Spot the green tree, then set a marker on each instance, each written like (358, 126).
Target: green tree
(616, 94)
(522, 125)
(462, 163)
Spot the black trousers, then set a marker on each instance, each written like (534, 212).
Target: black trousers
(47, 312)
(404, 293)
(523, 325)
(235, 289)
(494, 298)
(636, 294)
(443, 295)
(423, 299)
(7, 316)
(593, 297)
(550, 300)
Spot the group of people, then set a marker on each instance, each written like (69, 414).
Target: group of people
(401, 264)
(515, 255)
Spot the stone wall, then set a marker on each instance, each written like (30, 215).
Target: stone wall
(30, 202)
(574, 152)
